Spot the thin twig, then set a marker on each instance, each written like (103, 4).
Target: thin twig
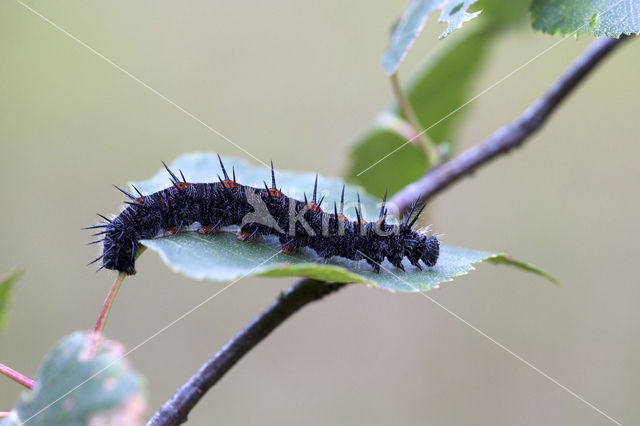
(509, 136)
(106, 308)
(176, 409)
(18, 377)
(423, 141)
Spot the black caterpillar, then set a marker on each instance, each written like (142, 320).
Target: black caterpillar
(259, 212)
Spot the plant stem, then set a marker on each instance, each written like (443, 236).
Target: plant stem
(423, 140)
(509, 136)
(176, 409)
(108, 302)
(14, 375)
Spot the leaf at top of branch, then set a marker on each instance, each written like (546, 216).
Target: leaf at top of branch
(222, 257)
(410, 24)
(598, 17)
(6, 285)
(74, 388)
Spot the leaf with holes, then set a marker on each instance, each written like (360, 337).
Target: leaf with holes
(6, 285)
(410, 24)
(221, 257)
(74, 388)
(598, 17)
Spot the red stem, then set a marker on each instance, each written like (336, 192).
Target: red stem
(20, 378)
(106, 308)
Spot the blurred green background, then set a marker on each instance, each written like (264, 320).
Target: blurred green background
(296, 81)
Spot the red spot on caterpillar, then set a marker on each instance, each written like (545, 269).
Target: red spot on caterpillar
(341, 218)
(246, 236)
(313, 207)
(182, 185)
(171, 231)
(207, 230)
(139, 200)
(287, 248)
(274, 192)
(229, 184)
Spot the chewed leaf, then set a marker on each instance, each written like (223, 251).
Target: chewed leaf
(598, 17)
(221, 257)
(410, 24)
(6, 284)
(74, 388)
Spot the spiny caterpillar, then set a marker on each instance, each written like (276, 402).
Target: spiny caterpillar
(258, 212)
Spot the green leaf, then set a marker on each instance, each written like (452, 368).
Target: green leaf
(6, 285)
(501, 14)
(598, 17)
(410, 24)
(381, 157)
(76, 389)
(221, 257)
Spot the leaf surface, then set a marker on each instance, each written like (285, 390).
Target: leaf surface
(598, 17)
(75, 389)
(410, 24)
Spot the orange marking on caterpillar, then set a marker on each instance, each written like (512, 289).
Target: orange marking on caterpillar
(139, 200)
(182, 185)
(229, 184)
(171, 231)
(288, 248)
(246, 236)
(207, 230)
(313, 207)
(341, 218)
(275, 193)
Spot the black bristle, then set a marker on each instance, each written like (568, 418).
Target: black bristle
(136, 189)
(183, 178)
(95, 260)
(406, 221)
(174, 178)
(104, 217)
(342, 201)
(273, 176)
(95, 227)
(382, 209)
(124, 192)
(315, 189)
(416, 217)
(224, 171)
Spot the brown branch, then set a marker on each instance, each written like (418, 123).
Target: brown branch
(176, 409)
(510, 136)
